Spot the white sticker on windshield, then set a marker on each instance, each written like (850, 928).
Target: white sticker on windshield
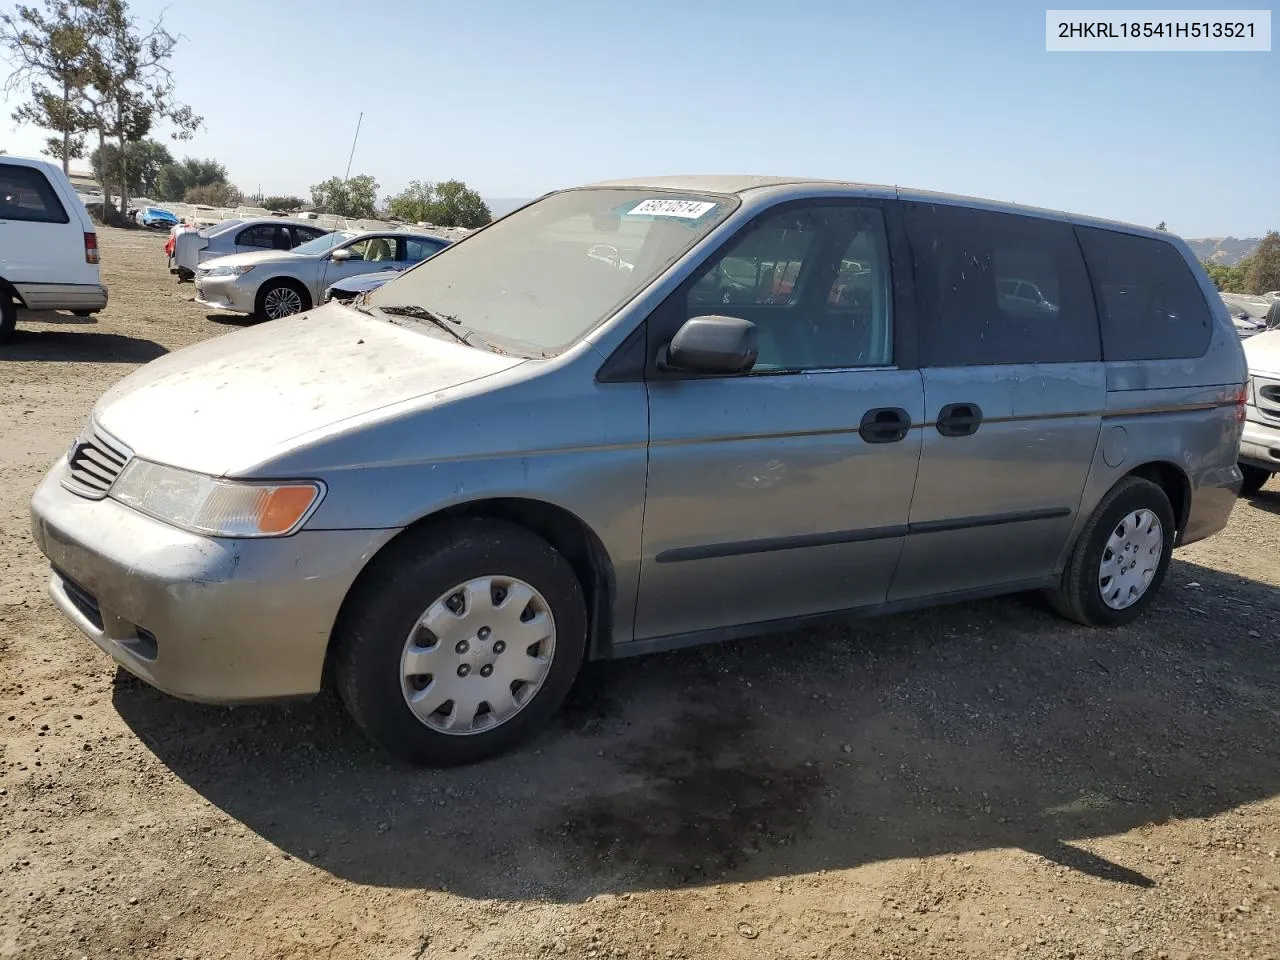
(687, 209)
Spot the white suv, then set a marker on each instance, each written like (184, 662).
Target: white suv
(48, 244)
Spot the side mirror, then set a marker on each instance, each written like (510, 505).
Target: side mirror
(340, 256)
(713, 345)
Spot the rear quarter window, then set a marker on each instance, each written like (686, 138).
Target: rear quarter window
(1150, 304)
(26, 194)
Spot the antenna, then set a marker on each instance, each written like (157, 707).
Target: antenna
(353, 146)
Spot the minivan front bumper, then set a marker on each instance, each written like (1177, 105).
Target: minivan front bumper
(212, 620)
(1260, 443)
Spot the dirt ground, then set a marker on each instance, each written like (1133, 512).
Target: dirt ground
(977, 781)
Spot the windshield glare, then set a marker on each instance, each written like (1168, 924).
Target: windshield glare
(547, 274)
(324, 244)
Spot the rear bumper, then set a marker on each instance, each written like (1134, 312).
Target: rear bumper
(63, 296)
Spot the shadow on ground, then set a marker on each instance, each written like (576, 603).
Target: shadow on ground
(78, 346)
(233, 319)
(969, 727)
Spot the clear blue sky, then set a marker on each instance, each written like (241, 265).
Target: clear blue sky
(518, 98)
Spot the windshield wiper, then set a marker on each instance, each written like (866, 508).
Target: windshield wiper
(441, 320)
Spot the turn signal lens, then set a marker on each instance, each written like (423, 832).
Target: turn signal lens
(1242, 399)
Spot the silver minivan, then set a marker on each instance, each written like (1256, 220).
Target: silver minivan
(768, 402)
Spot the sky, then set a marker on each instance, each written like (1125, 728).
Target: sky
(518, 98)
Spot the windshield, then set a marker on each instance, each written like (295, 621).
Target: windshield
(547, 274)
(326, 243)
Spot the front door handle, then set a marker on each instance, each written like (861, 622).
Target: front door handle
(884, 425)
(959, 419)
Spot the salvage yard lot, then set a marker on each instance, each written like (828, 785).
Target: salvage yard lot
(982, 780)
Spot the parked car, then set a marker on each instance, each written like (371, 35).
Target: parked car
(239, 236)
(156, 218)
(48, 244)
(1260, 444)
(518, 456)
(275, 284)
(1243, 318)
(350, 288)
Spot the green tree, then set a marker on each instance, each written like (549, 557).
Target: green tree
(174, 180)
(146, 159)
(50, 54)
(448, 204)
(1226, 279)
(356, 197)
(1264, 266)
(214, 194)
(283, 203)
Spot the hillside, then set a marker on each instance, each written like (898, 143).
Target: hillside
(1227, 251)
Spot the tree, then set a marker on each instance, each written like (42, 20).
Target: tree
(174, 180)
(146, 158)
(283, 203)
(214, 194)
(50, 53)
(356, 197)
(1226, 279)
(448, 204)
(1163, 227)
(1264, 266)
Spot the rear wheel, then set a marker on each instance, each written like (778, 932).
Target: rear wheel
(1255, 478)
(460, 642)
(84, 313)
(282, 298)
(8, 316)
(1120, 558)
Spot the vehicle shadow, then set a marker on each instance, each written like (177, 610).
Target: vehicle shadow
(1266, 499)
(233, 319)
(965, 728)
(79, 346)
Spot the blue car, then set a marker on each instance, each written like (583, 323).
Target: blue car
(350, 288)
(156, 218)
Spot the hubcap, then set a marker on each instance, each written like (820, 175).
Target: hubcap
(1130, 559)
(282, 302)
(478, 655)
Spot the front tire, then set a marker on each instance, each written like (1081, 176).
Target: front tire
(1120, 558)
(282, 298)
(1255, 478)
(460, 642)
(8, 317)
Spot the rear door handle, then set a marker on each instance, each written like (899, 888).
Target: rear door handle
(959, 419)
(884, 425)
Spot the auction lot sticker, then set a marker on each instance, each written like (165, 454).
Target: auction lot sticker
(685, 209)
(1157, 30)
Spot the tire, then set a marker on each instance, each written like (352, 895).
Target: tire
(8, 317)
(1080, 594)
(83, 313)
(185, 275)
(380, 641)
(1255, 478)
(284, 292)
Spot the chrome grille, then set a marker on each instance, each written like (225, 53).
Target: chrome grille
(94, 463)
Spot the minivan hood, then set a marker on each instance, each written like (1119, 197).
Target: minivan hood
(1263, 352)
(227, 404)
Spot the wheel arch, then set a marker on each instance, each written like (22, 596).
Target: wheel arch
(564, 530)
(260, 296)
(8, 289)
(1175, 483)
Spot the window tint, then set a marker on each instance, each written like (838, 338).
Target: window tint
(999, 288)
(418, 250)
(303, 234)
(25, 194)
(816, 283)
(1152, 307)
(263, 235)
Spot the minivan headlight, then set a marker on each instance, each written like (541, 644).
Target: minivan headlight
(219, 508)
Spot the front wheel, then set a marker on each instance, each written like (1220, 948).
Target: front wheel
(8, 316)
(460, 642)
(282, 298)
(1120, 558)
(1255, 478)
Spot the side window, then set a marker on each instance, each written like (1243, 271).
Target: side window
(381, 249)
(999, 288)
(418, 250)
(25, 194)
(263, 235)
(305, 235)
(1152, 307)
(816, 283)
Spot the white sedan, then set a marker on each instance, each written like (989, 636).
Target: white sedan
(274, 284)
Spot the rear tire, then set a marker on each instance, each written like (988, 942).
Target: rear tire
(282, 298)
(1117, 566)
(83, 313)
(8, 317)
(1255, 478)
(430, 661)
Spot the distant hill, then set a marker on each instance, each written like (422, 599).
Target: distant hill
(501, 206)
(1227, 251)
